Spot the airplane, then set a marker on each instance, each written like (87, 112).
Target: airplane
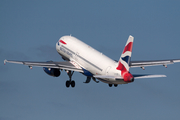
(82, 58)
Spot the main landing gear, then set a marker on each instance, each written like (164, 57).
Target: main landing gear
(70, 82)
(115, 85)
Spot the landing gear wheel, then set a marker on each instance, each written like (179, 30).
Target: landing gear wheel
(115, 85)
(72, 84)
(110, 85)
(67, 84)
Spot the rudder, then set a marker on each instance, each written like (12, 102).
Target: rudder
(125, 58)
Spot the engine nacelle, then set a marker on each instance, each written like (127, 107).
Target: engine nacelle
(52, 71)
(128, 77)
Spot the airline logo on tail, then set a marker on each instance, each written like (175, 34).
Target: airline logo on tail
(125, 59)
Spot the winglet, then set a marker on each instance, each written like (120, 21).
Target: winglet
(5, 62)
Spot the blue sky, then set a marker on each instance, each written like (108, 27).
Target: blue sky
(30, 29)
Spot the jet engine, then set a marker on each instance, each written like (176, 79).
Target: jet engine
(52, 71)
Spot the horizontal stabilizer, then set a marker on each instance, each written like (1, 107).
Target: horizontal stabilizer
(135, 76)
(153, 63)
(147, 76)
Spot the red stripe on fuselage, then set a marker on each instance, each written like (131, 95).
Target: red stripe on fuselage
(121, 67)
(62, 42)
(128, 77)
(128, 47)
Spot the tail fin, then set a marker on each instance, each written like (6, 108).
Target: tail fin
(125, 58)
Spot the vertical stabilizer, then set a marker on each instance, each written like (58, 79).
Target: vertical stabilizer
(125, 58)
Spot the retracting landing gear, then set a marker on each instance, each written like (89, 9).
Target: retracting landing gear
(70, 82)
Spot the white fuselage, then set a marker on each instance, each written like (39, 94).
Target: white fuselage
(88, 58)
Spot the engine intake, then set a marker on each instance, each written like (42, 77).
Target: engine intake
(52, 71)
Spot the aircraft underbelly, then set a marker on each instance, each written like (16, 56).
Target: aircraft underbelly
(112, 81)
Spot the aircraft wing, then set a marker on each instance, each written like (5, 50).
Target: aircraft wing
(143, 64)
(66, 65)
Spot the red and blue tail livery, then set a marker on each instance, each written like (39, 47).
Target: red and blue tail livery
(125, 59)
